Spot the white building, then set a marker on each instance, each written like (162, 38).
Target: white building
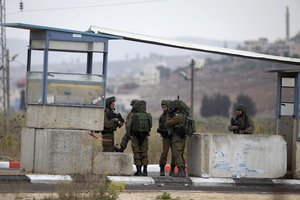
(150, 75)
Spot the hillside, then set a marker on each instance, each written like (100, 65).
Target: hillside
(226, 76)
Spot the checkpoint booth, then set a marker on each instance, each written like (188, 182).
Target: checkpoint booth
(61, 106)
(288, 115)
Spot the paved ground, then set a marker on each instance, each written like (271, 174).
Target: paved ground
(151, 195)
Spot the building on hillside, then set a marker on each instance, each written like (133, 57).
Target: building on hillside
(123, 102)
(150, 75)
(288, 48)
(259, 46)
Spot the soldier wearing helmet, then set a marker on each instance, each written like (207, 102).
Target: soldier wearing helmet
(112, 121)
(174, 123)
(241, 123)
(166, 138)
(126, 136)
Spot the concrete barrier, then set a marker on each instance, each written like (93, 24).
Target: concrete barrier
(296, 172)
(27, 149)
(56, 151)
(59, 117)
(228, 155)
(113, 163)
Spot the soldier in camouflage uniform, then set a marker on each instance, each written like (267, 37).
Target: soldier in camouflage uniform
(166, 138)
(175, 123)
(242, 123)
(139, 141)
(112, 121)
(126, 136)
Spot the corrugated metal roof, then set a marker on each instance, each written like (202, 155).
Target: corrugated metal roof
(194, 47)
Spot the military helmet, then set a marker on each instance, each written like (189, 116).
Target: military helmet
(167, 103)
(242, 108)
(133, 102)
(109, 100)
(177, 104)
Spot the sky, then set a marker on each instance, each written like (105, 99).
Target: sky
(226, 20)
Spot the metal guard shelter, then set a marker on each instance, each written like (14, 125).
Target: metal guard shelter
(65, 89)
(287, 110)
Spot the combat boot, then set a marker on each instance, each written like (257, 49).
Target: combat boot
(117, 149)
(172, 170)
(162, 170)
(138, 170)
(145, 172)
(181, 172)
(121, 149)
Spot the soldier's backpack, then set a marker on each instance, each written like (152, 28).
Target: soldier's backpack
(188, 126)
(141, 120)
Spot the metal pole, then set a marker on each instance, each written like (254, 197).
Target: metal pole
(3, 69)
(192, 86)
(7, 92)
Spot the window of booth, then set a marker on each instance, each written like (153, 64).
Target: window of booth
(68, 82)
(287, 96)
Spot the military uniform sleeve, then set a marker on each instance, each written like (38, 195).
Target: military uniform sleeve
(251, 127)
(109, 124)
(160, 121)
(177, 120)
(150, 120)
(230, 127)
(129, 123)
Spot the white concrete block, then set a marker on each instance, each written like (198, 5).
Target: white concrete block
(296, 172)
(63, 152)
(228, 155)
(27, 149)
(113, 163)
(59, 117)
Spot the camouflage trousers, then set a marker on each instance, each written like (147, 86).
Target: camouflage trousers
(167, 144)
(140, 151)
(108, 142)
(178, 145)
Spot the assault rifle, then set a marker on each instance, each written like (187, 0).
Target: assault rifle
(163, 132)
(234, 122)
(112, 115)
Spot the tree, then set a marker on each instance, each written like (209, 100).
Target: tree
(248, 102)
(217, 105)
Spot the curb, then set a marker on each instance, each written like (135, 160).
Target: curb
(36, 178)
(10, 164)
(196, 181)
(133, 180)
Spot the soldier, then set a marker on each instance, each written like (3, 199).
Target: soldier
(126, 136)
(242, 123)
(112, 121)
(175, 123)
(166, 138)
(140, 124)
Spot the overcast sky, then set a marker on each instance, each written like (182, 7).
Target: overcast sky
(236, 20)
